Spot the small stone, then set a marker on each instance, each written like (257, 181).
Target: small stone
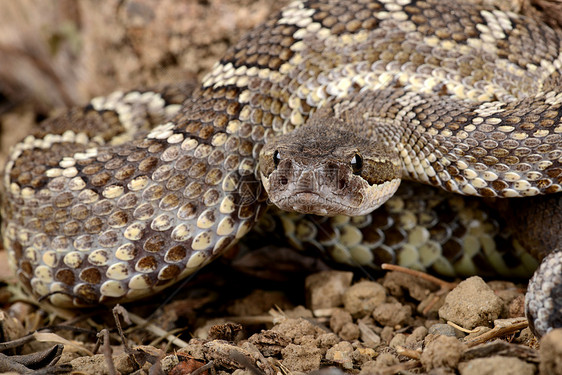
(415, 340)
(551, 353)
(392, 314)
(350, 332)
(369, 337)
(497, 365)
(296, 329)
(362, 298)
(444, 351)
(338, 319)
(270, 343)
(327, 340)
(341, 353)
(363, 355)
(516, 307)
(386, 360)
(387, 333)
(301, 357)
(443, 330)
(472, 303)
(398, 340)
(325, 289)
(369, 367)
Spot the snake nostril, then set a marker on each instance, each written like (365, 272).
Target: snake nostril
(283, 180)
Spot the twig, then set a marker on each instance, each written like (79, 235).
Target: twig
(106, 350)
(422, 275)
(457, 327)
(498, 331)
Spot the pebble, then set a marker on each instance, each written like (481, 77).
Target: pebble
(339, 318)
(442, 329)
(392, 314)
(551, 353)
(342, 354)
(325, 289)
(497, 365)
(444, 351)
(472, 303)
(301, 357)
(362, 298)
(416, 338)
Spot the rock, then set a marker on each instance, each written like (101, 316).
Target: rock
(369, 337)
(339, 318)
(472, 303)
(398, 340)
(497, 365)
(362, 298)
(444, 351)
(342, 354)
(325, 289)
(363, 355)
(392, 314)
(416, 338)
(296, 329)
(303, 358)
(551, 353)
(350, 332)
(386, 360)
(327, 340)
(442, 329)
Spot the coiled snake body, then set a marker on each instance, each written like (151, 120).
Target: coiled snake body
(98, 207)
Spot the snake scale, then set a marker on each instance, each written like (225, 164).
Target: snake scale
(348, 97)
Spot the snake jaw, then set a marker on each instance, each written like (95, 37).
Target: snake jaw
(325, 188)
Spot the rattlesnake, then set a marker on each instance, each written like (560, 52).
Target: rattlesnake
(99, 208)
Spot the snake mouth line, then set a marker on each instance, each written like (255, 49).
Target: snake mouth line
(311, 202)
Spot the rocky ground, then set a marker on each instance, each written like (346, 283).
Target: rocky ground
(302, 317)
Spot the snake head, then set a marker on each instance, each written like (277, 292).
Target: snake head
(329, 167)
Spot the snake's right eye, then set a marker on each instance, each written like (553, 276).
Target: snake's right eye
(276, 158)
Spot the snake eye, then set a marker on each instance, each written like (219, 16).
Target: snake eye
(357, 164)
(276, 158)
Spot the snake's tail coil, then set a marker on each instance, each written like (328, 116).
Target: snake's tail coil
(544, 295)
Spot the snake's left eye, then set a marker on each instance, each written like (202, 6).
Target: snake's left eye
(357, 164)
(276, 158)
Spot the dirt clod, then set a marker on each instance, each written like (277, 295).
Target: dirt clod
(551, 353)
(496, 365)
(341, 353)
(362, 298)
(444, 351)
(301, 357)
(392, 314)
(472, 303)
(325, 289)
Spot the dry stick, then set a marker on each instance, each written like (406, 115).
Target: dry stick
(205, 367)
(422, 275)
(412, 354)
(497, 332)
(106, 350)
